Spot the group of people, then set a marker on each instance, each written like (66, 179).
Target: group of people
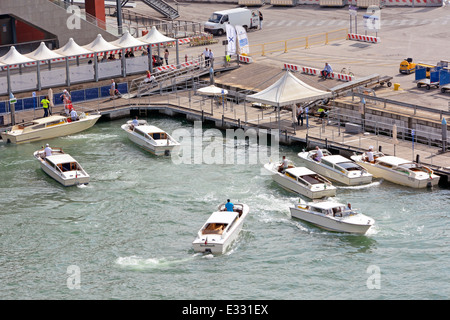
(66, 98)
(209, 57)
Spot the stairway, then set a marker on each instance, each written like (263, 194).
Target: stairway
(163, 7)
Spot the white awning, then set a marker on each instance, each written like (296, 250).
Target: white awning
(101, 45)
(13, 57)
(155, 37)
(128, 41)
(72, 49)
(212, 90)
(44, 53)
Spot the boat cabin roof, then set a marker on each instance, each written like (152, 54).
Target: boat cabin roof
(395, 161)
(49, 119)
(335, 159)
(299, 171)
(326, 205)
(60, 158)
(148, 129)
(222, 217)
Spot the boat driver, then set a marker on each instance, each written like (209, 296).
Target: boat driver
(284, 165)
(369, 155)
(318, 155)
(48, 150)
(229, 206)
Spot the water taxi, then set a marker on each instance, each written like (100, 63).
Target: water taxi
(221, 229)
(332, 216)
(336, 167)
(150, 138)
(398, 170)
(62, 167)
(48, 127)
(301, 180)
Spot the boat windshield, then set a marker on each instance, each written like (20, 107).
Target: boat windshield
(215, 17)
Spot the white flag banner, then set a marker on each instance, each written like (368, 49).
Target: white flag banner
(242, 40)
(231, 37)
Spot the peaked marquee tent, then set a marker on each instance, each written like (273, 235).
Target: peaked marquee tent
(288, 90)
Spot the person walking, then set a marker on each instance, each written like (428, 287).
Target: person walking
(211, 58)
(45, 103)
(166, 56)
(260, 19)
(300, 115)
(206, 55)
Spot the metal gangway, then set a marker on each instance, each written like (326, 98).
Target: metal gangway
(163, 7)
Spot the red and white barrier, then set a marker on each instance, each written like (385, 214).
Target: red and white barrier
(317, 72)
(360, 37)
(184, 41)
(245, 59)
(165, 68)
(312, 71)
(291, 67)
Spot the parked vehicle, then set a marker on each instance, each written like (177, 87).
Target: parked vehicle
(246, 18)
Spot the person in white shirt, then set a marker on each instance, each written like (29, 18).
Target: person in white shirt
(73, 115)
(48, 150)
(206, 54)
(369, 155)
(284, 164)
(211, 58)
(319, 154)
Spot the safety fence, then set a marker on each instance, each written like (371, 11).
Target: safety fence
(78, 96)
(301, 42)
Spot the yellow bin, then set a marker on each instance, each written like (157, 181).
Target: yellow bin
(396, 86)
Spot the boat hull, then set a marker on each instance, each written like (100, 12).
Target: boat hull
(218, 244)
(51, 132)
(315, 192)
(331, 224)
(352, 179)
(67, 179)
(399, 178)
(157, 150)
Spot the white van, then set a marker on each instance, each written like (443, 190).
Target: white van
(236, 17)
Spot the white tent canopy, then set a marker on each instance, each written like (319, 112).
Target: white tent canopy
(154, 37)
(288, 90)
(212, 90)
(71, 48)
(43, 53)
(101, 45)
(128, 41)
(13, 57)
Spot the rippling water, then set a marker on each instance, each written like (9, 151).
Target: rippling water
(129, 231)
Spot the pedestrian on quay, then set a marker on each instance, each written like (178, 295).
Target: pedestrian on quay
(166, 56)
(45, 103)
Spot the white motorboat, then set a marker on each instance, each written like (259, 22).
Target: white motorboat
(62, 167)
(48, 127)
(150, 138)
(221, 229)
(398, 170)
(332, 216)
(301, 180)
(336, 167)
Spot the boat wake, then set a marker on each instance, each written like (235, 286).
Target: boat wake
(364, 186)
(141, 264)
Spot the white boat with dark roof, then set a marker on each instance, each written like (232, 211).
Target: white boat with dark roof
(149, 137)
(398, 170)
(221, 229)
(301, 180)
(62, 167)
(336, 167)
(48, 127)
(332, 216)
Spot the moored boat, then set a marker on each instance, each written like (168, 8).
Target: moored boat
(332, 216)
(301, 180)
(48, 127)
(336, 167)
(398, 170)
(149, 137)
(62, 167)
(220, 229)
